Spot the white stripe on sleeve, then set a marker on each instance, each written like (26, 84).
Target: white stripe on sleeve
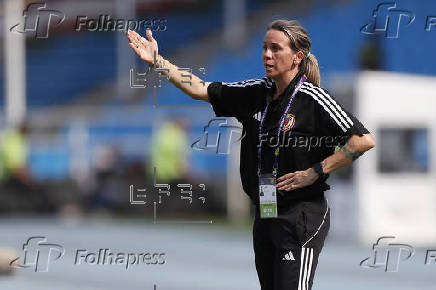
(332, 108)
(333, 102)
(325, 108)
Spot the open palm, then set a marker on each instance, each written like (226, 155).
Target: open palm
(142, 47)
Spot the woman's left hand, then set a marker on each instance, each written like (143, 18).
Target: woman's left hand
(296, 179)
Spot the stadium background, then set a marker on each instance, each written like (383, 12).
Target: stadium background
(93, 139)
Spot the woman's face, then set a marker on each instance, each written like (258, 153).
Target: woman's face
(278, 57)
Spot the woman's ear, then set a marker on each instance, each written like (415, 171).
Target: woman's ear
(298, 57)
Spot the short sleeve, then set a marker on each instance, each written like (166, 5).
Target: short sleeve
(332, 118)
(236, 99)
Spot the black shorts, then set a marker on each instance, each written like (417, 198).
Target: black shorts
(287, 248)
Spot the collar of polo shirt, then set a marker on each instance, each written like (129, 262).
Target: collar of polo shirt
(287, 91)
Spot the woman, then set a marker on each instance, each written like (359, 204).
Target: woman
(292, 128)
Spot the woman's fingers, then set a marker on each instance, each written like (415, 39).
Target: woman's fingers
(286, 176)
(134, 42)
(296, 180)
(144, 48)
(290, 185)
(290, 181)
(149, 35)
(142, 40)
(285, 182)
(134, 35)
(130, 37)
(135, 38)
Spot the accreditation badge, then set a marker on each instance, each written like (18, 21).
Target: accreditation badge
(267, 196)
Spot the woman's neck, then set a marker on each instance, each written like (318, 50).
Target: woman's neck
(283, 81)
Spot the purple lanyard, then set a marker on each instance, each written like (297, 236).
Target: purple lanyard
(282, 120)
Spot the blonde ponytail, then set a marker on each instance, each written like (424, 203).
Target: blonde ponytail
(311, 69)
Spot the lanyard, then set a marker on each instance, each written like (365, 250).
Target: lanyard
(282, 120)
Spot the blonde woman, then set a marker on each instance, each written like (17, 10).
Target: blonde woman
(292, 128)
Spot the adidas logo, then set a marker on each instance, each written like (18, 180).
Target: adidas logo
(258, 116)
(288, 257)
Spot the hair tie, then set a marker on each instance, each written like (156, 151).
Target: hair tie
(308, 54)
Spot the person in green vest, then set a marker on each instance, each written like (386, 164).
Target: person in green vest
(19, 191)
(169, 152)
(13, 154)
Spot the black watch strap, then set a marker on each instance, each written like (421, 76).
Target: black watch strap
(318, 169)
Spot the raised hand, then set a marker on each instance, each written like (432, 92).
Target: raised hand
(147, 49)
(143, 48)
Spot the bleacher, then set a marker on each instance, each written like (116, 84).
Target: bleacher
(61, 69)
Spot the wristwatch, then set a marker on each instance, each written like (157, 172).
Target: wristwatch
(318, 169)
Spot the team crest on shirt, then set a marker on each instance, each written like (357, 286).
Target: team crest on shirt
(289, 122)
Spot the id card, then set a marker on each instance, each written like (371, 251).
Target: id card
(267, 196)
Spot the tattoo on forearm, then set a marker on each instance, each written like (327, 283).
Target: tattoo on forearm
(351, 152)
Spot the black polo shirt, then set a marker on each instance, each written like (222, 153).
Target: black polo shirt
(316, 123)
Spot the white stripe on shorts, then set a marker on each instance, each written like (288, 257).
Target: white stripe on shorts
(305, 268)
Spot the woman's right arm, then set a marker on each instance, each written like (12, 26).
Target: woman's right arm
(146, 49)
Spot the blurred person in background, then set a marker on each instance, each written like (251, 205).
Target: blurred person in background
(169, 155)
(13, 154)
(290, 226)
(169, 152)
(107, 186)
(370, 54)
(19, 191)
